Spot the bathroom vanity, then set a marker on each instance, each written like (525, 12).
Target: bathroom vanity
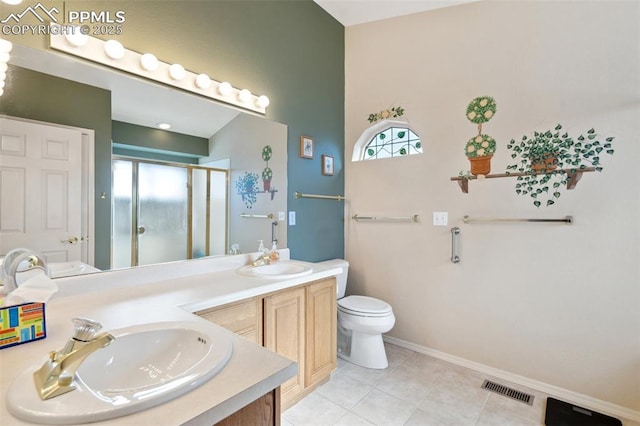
(282, 331)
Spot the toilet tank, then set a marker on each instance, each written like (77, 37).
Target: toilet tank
(340, 278)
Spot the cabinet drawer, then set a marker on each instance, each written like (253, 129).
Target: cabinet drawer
(244, 318)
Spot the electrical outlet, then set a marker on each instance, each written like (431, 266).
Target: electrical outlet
(440, 218)
(292, 218)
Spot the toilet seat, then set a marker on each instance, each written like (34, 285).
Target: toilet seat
(364, 306)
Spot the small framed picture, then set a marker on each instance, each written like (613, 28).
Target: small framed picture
(327, 165)
(306, 147)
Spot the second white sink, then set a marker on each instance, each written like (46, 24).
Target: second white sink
(281, 269)
(145, 366)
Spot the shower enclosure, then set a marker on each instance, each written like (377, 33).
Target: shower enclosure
(164, 212)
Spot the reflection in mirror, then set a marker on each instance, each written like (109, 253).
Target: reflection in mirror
(250, 149)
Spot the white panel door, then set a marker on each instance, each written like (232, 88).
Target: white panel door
(40, 189)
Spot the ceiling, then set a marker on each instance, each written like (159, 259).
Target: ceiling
(353, 12)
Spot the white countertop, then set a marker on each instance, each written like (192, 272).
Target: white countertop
(168, 292)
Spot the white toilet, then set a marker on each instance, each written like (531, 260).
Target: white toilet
(361, 322)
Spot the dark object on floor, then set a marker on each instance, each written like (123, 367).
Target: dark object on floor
(561, 413)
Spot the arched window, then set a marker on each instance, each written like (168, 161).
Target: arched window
(386, 139)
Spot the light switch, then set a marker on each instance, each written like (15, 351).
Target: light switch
(292, 218)
(280, 216)
(440, 218)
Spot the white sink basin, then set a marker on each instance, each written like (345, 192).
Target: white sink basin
(145, 366)
(280, 269)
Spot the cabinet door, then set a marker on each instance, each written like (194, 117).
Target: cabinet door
(321, 329)
(284, 333)
(243, 318)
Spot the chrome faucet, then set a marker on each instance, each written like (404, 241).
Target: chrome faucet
(56, 376)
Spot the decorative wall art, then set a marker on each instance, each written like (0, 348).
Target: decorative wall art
(327, 165)
(393, 112)
(247, 185)
(306, 147)
(549, 161)
(479, 149)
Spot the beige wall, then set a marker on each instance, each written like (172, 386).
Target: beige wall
(555, 303)
(242, 141)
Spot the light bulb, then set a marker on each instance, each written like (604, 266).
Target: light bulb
(177, 72)
(5, 45)
(263, 101)
(244, 95)
(1, 84)
(3, 67)
(225, 88)
(164, 126)
(13, 2)
(1, 92)
(149, 62)
(114, 49)
(4, 57)
(75, 38)
(203, 81)
(3, 75)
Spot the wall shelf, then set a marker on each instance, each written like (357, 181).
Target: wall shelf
(574, 176)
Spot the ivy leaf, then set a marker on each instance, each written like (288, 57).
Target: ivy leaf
(609, 139)
(401, 134)
(556, 194)
(418, 145)
(537, 203)
(591, 131)
(382, 136)
(403, 151)
(370, 152)
(550, 202)
(610, 151)
(558, 127)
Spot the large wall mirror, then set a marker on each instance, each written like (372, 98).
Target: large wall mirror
(243, 152)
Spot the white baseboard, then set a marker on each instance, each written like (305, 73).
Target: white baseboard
(555, 391)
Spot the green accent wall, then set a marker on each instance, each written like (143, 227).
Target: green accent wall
(290, 50)
(37, 96)
(155, 144)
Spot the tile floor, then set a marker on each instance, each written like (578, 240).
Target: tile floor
(414, 390)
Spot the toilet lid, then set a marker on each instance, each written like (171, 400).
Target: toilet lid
(364, 305)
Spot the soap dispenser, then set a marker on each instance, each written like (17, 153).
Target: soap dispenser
(274, 256)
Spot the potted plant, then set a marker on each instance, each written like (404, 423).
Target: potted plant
(267, 173)
(548, 159)
(480, 149)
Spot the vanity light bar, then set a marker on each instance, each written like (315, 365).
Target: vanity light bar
(112, 54)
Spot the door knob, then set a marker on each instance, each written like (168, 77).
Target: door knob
(141, 230)
(70, 240)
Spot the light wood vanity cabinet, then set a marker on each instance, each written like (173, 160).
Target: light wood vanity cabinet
(243, 318)
(321, 330)
(299, 323)
(284, 329)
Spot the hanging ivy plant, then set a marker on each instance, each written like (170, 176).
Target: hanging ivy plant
(547, 160)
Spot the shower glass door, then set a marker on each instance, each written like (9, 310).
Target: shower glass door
(162, 213)
(167, 212)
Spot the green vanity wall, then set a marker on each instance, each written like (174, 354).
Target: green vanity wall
(290, 50)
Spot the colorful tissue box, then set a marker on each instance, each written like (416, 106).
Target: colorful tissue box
(22, 324)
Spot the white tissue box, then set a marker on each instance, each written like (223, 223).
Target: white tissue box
(22, 323)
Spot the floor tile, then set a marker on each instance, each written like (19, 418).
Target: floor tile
(407, 385)
(344, 390)
(351, 419)
(313, 410)
(383, 409)
(366, 375)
